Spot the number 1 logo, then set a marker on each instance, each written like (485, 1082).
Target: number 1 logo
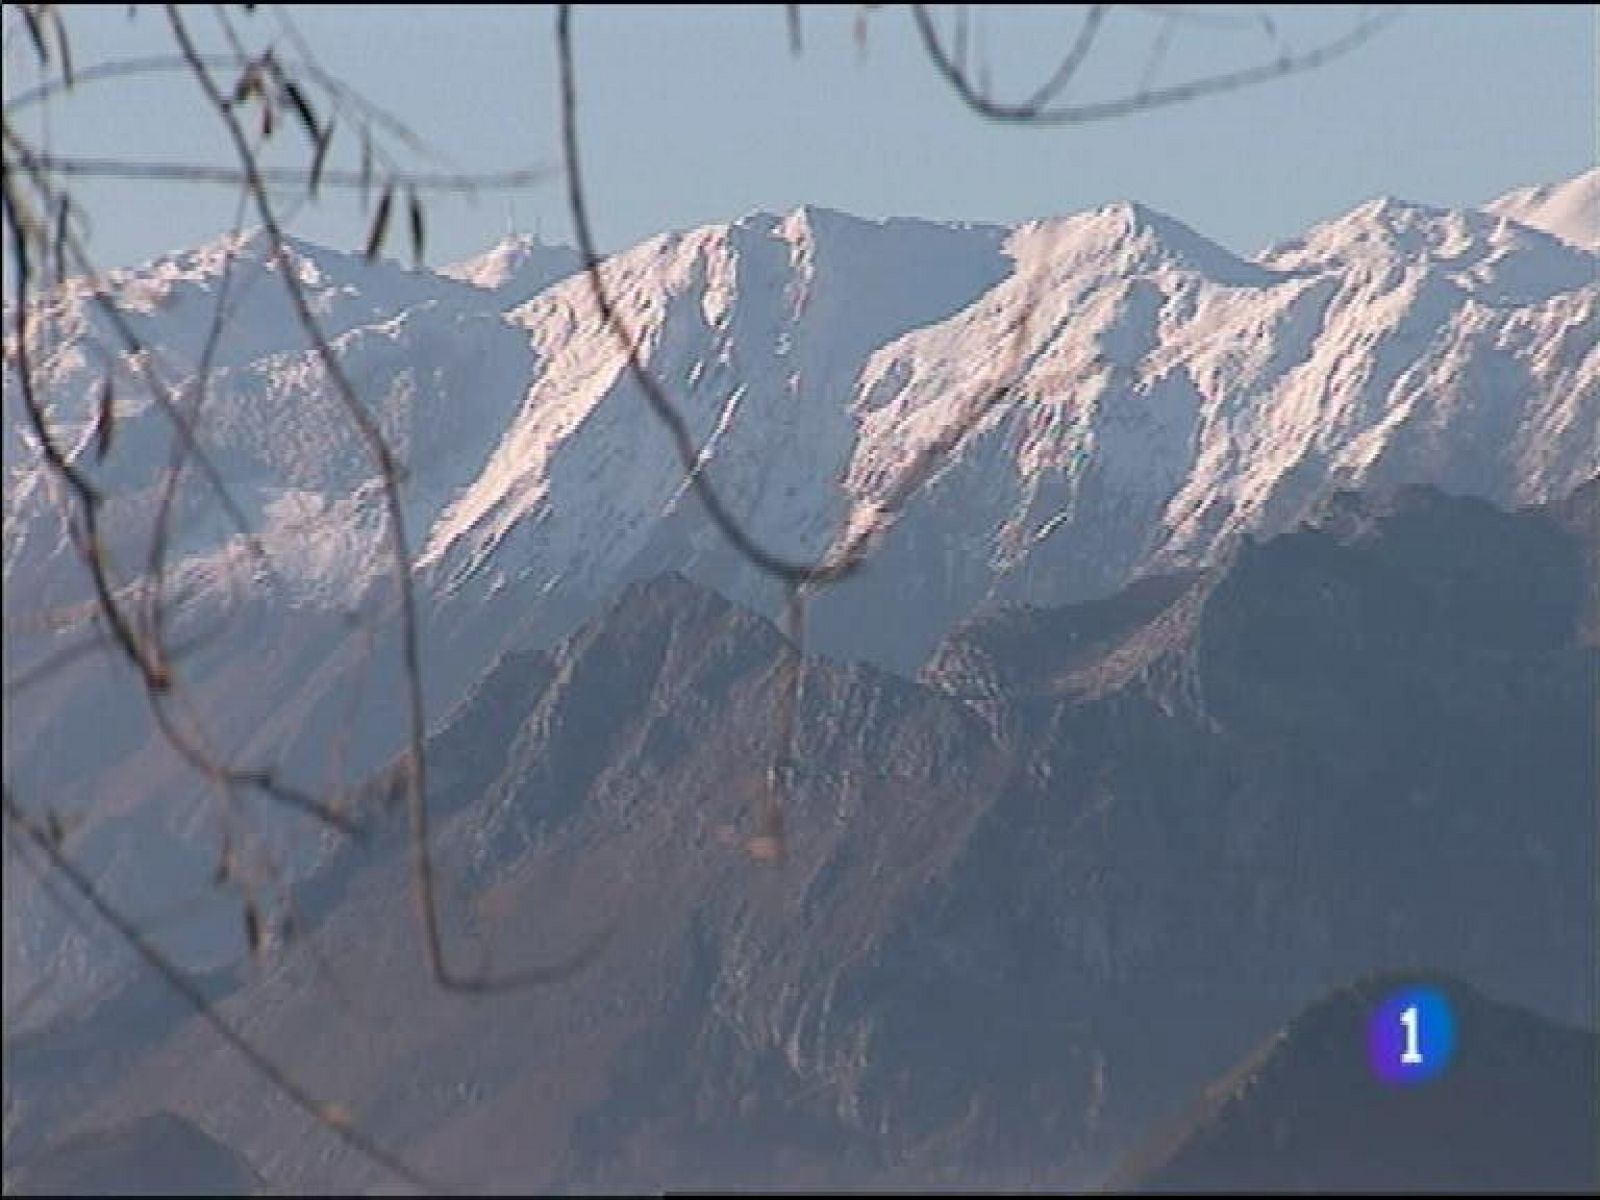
(1410, 1056)
(1411, 1036)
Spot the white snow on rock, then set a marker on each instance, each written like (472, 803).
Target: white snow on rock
(1569, 210)
(1139, 398)
(516, 268)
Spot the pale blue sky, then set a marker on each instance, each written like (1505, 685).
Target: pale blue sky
(699, 114)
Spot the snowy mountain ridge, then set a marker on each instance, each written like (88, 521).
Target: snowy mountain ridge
(1151, 353)
(1569, 209)
(1159, 399)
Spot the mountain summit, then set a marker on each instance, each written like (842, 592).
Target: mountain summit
(1569, 210)
(516, 268)
(1140, 402)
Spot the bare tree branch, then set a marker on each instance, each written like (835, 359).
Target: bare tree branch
(146, 653)
(389, 474)
(848, 553)
(175, 978)
(1082, 44)
(1034, 112)
(159, 172)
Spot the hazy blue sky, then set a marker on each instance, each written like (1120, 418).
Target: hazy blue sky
(694, 114)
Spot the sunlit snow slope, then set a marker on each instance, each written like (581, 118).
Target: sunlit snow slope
(1148, 398)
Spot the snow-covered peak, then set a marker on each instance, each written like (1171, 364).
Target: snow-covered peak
(1387, 241)
(1381, 229)
(171, 302)
(1135, 398)
(1141, 344)
(1124, 238)
(1569, 210)
(516, 268)
(821, 222)
(321, 269)
(1389, 229)
(749, 323)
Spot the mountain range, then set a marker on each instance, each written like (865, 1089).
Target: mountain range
(1082, 591)
(1031, 901)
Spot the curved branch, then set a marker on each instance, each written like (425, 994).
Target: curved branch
(389, 472)
(787, 569)
(847, 555)
(170, 172)
(150, 64)
(146, 654)
(1087, 32)
(165, 64)
(1032, 113)
(132, 345)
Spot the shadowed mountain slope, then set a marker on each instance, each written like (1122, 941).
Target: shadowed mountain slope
(1029, 903)
(1516, 1111)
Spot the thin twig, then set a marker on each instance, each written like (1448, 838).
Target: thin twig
(147, 656)
(199, 387)
(170, 172)
(846, 556)
(1076, 114)
(1082, 44)
(389, 474)
(179, 982)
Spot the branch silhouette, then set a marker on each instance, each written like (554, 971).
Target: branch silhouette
(180, 983)
(1035, 111)
(389, 473)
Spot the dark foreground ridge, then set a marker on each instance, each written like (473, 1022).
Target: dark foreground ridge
(159, 1155)
(1516, 1111)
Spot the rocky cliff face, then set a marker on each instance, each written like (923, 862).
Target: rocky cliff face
(1028, 904)
(1163, 399)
